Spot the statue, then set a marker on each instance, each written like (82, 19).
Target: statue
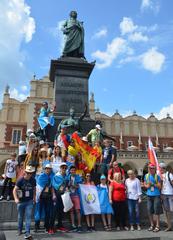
(71, 123)
(74, 31)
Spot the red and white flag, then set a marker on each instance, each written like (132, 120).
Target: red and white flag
(152, 156)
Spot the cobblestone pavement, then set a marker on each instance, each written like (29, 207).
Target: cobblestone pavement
(99, 235)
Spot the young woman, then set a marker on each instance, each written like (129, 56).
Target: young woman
(133, 189)
(117, 197)
(89, 218)
(33, 158)
(106, 208)
(56, 159)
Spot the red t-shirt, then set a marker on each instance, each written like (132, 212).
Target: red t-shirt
(118, 192)
(116, 170)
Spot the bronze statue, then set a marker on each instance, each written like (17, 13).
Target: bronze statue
(74, 31)
(71, 123)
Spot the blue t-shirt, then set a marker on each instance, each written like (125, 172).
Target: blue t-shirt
(152, 191)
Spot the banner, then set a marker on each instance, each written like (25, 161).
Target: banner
(89, 154)
(89, 199)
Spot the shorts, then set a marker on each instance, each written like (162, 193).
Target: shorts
(154, 205)
(76, 202)
(167, 201)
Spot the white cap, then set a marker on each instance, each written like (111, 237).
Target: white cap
(63, 164)
(84, 139)
(98, 126)
(41, 142)
(48, 165)
(32, 135)
(29, 131)
(21, 143)
(162, 165)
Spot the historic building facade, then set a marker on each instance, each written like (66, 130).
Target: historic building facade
(130, 133)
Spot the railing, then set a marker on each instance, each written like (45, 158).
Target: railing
(122, 154)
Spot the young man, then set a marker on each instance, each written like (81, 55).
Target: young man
(167, 194)
(152, 182)
(59, 184)
(10, 174)
(95, 135)
(24, 195)
(73, 184)
(108, 157)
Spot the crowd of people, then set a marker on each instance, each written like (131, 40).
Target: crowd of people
(43, 174)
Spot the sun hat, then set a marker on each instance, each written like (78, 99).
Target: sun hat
(29, 169)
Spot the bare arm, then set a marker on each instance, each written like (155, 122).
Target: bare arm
(110, 193)
(16, 199)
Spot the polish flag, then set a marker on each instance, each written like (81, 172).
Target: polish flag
(152, 156)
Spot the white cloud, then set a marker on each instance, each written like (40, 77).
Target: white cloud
(101, 33)
(16, 27)
(150, 5)
(58, 33)
(164, 111)
(14, 93)
(113, 50)
(138, 37)
(24, 88)
(153, 60)
(127, 26)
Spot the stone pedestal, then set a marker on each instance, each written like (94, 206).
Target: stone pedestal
(70, 77)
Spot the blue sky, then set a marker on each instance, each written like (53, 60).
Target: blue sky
(131, 40)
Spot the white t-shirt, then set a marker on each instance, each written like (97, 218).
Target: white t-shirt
(133, 188)
(11, 168)
(167, 189)
(56, 161)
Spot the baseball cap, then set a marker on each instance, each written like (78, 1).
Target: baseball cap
(48, 165)
(102, 177)
(41, 142)
(84, 139)
(98, 126)
(63, 164)
(162, 165)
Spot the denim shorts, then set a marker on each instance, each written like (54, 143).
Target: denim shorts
(154, 205)
(167, 201)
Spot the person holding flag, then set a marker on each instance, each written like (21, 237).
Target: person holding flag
(152, 182)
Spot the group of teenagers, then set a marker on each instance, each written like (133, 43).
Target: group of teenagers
(43, 175)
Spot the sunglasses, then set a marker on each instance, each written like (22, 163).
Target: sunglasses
(28, 173)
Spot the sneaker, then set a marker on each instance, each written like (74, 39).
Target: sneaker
(126, 228)
(50, 231)
(1, 198)
(79, 229)
(93, 229)
(62, 229)
(89, 229)
(138, 227)
(19, 233)
(73, 229)
(118, 229)
(132, 228)
(28, 236)
(8, 198)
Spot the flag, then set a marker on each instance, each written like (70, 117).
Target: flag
(44, 121)
(89, 199)
(89, 154)
(152, 156)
